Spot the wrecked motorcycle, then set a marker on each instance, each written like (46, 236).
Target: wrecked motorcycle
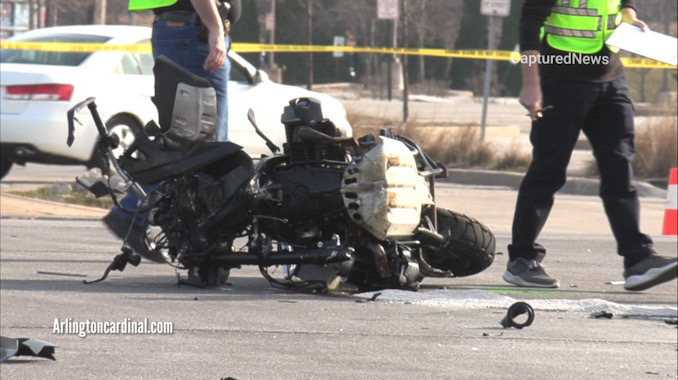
(328, 209)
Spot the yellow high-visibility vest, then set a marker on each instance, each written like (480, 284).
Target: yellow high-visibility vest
(144, 5)
(582, 26)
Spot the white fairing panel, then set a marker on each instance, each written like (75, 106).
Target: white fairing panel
(383, 191)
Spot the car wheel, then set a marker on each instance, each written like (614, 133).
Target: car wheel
(125, 127)
(5, 165)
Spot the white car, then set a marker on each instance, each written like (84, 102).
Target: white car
(39, 87)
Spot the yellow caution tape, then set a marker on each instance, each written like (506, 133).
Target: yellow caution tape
(645, 63)
(71, 47)
(497, 55)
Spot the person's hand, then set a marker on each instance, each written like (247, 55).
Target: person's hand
(629, 16)
(217, 55)
(207, 10)
(530, 98)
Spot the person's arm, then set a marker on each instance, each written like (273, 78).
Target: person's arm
(207, 10)
(530, 93)
(534, 12)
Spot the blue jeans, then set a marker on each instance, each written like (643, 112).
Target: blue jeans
(181, 45)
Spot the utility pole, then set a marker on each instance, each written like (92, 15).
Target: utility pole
(389, 63)
(488, 76)
(309, 33)
(100, 12)
(405, 44)
(31, 14)
(665, 73)
(272, 42)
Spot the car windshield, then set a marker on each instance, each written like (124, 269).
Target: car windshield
(38, 57)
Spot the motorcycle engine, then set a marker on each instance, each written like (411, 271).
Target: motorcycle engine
(305, 190)
(195, 209)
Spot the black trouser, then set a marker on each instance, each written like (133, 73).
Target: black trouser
(605, 113)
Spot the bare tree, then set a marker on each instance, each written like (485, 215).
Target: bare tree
(434, 24)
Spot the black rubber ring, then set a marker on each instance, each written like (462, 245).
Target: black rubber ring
(516, 310)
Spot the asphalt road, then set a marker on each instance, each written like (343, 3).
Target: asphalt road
(248, 329)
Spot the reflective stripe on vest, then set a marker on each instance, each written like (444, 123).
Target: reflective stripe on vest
(144, 5)
(582, 26)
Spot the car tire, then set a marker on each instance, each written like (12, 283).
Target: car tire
(5, 165)
(125, 127)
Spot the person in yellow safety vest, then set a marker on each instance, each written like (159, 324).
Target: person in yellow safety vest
(573, 82)
(193, 34)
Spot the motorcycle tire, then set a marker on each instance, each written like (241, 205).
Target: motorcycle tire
(469, 246)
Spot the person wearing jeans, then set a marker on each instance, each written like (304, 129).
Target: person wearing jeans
(193, 34)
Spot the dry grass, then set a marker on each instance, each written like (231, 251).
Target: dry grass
(514, 159)
(656, 149)
(78, 196)
(454, 146)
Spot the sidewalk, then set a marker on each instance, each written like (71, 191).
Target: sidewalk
(17, 207)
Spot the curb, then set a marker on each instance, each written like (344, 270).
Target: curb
(18, 207)
(574, 185)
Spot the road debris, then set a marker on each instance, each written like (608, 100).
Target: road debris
(517, 309)
(602, 314)
(374, 298)
(62, 274)
(10, 347)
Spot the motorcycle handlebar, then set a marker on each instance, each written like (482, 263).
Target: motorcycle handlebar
(103, 133)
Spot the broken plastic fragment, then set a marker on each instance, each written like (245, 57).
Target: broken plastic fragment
(10, 347)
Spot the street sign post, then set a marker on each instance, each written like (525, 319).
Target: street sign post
(491, 8)
(499, 8)
(387, 9)
(338, 41)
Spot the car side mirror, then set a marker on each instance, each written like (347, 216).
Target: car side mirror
(261, 76)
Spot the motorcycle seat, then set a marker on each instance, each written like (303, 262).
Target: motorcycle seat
(161, 165)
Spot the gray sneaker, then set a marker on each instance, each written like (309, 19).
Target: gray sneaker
(652, 271)
(529, 273)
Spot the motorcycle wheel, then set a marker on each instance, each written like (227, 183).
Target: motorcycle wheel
(468, 249)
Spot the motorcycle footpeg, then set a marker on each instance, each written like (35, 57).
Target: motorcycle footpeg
(119, 263)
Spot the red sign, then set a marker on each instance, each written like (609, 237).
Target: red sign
(499, 8)
(387, 9)
(270, 21)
